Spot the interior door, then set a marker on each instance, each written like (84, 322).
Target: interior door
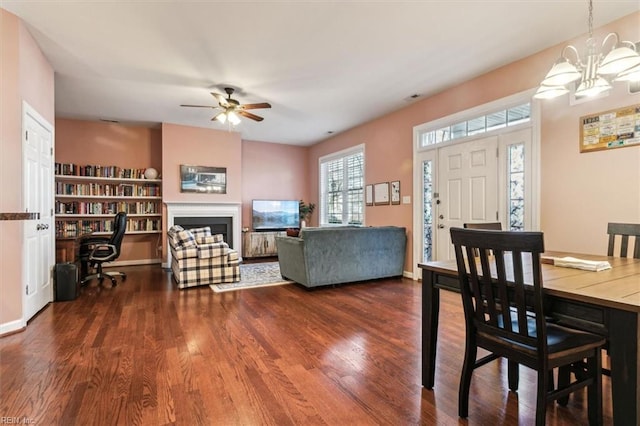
(39, 242)
(467, 189)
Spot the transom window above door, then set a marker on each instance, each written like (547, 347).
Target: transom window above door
(476, 125)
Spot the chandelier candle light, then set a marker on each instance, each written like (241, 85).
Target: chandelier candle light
(595, 74)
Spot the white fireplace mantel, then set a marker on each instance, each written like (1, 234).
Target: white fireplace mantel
(182, 209)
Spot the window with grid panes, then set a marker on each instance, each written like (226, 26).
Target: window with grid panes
(342, 188)
(484, 123)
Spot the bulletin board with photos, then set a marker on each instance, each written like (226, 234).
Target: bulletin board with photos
(617, 128)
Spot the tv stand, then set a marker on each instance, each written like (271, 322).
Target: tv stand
(260, 244)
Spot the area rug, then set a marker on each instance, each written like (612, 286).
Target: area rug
(254, 275)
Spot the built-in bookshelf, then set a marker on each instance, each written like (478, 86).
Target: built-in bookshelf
(88, 198)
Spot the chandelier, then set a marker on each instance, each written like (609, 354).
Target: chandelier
(596, 72)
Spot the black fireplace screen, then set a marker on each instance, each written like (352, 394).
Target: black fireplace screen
(218, 225)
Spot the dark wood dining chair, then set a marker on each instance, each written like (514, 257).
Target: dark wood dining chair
(502, 297)
(495, 226)
(513, 368)
(624, 231)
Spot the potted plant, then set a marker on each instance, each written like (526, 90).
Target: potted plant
(306, 210)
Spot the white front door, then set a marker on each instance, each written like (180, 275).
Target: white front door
(467, 189)
(39, 240)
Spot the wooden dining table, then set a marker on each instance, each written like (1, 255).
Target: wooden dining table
(605, 302)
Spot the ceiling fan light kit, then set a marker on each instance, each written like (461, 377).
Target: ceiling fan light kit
(599, 68)
(232, 109)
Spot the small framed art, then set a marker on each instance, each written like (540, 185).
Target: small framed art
(381, 193)
(395, 192)
(368, 195)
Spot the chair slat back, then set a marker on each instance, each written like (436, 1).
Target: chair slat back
(496, 226)
(500, 296)
(624, 231)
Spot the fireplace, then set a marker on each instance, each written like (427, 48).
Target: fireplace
(218, 224)
(223, 218)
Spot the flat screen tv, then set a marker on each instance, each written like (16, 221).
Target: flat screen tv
(275, 215)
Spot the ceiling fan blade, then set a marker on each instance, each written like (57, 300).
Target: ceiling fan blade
(221, 99)
(249, 115)
(199, 106)
(256, 106)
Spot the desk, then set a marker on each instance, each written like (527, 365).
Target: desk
(606, 303)
(68, 250)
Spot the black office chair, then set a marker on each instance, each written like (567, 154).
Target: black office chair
(505, 316)
(107, 251)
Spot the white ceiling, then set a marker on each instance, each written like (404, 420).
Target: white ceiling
(323, 65)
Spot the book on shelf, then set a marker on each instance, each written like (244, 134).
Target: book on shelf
(71, 169)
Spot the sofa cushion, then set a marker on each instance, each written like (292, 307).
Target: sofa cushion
(184, 239)
(201, 232)
(206, 251)
(217, 238)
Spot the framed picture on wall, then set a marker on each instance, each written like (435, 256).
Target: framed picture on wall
(395, 192)
(206, 180)
(381, 193)
(368, 195)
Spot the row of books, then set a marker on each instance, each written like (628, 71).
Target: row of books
(70, 169)
(81, 207)
(77, 227)
(108, 190)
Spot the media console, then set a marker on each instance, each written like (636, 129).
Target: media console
(260, 244)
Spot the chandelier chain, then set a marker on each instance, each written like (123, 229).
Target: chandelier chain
(590, 18)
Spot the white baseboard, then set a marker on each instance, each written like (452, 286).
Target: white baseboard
(12, 327)
(407, 274)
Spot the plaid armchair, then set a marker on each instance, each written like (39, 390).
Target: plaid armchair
(199, 258)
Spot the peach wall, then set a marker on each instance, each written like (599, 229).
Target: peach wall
(108, 144)
(272, 171)
(10, 199)
(10, 111)
(111, 144)
(389, 149)
(582, 192)
(36, 77)
(200, 147)
(25, 74)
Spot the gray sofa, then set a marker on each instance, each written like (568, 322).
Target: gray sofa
(334, 255)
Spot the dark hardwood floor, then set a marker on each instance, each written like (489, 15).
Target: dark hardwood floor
(146, 353)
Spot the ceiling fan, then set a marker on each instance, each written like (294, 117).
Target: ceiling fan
(231, 108)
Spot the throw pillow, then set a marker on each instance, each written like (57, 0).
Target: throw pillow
(201, 232)
(205, 240)
(185, 239)
(210, 239)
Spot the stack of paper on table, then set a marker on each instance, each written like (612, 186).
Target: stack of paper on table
(587, 265)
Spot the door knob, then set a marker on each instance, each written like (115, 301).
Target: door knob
(441, 226)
